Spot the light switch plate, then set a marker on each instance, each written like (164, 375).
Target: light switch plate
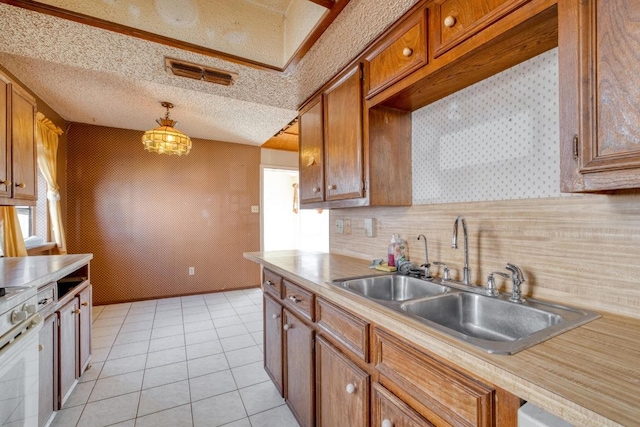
(347, 226)
(369, 227)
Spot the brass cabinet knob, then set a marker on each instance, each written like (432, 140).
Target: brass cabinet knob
(85, 304)
(316, 189)
(332, 187)
(40, 347)
(449, 21)
(286, 327)
(21, 185)
(6, 182)
(77, 311)
(407, 51)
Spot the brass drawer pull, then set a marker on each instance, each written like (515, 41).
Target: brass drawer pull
(295, 299)
(6, 182)
(21, 185)
(85, 304)
(407, 51)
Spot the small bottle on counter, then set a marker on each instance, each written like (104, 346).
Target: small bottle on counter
(391, 252)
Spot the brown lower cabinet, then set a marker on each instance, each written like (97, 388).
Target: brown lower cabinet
(273, 341)
(299, 372)
(65, 349)
(48, 339)
(329, 379)
(68, 351)
(342, 388)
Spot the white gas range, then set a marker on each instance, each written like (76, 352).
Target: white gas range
(20, 323)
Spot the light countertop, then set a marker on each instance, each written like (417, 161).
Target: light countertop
(589, 376)
(35, 271)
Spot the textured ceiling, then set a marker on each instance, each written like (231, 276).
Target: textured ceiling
(90, 75)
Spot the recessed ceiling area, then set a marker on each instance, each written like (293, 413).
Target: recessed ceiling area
(92, 75)
(261, 32)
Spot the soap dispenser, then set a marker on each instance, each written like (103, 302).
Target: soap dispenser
(391, 252)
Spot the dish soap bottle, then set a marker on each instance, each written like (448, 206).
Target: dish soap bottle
(391, 252)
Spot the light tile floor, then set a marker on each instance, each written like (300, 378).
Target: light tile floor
(191, 361)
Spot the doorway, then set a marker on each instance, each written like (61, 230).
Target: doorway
(284, 224)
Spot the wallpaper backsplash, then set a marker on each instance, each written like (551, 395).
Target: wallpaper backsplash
(495, 140)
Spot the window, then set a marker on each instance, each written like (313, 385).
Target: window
(33, 219)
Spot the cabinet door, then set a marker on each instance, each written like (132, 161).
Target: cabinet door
(23, 148)
(311, 152)
(300, 372)
(273, 341)
(342, 389)
(5, 138)
(48, 369)
(343, 137)
(599, 94)
(84, 300)
(454, 21)
(388, 410)
(68, 350)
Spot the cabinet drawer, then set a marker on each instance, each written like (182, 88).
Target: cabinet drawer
(386, 406)
(454, 21)
(272, 283)
(399, 53)
(345, 328)
(299, 300)
(436, 391)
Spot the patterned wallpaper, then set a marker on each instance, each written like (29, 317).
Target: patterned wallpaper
(495, 140)
(147, 217)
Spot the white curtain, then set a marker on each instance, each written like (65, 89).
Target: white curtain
(47, 137)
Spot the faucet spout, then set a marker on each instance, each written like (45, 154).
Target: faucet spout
(426, 265)
(466, 279)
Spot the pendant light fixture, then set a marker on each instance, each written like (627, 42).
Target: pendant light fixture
(165, 139)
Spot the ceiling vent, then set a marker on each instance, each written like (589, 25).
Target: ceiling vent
(190, 70)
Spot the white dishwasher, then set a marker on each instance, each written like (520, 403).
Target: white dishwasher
(529, 415)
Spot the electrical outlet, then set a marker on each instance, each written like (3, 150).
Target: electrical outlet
(339, 226)
(192, 271)
(255, 209)
(369, 227)
(347, 226)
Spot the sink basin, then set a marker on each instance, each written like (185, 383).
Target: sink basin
(392, 287)
(496, 325)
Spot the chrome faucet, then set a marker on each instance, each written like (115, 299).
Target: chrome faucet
(426, 265)
(518, 279)
(466, 280)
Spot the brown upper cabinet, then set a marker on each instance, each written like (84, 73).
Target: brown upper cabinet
(355, 135)
(599, 95)
(345, 153)
(404, 50)
(454, 21)
(18, 185)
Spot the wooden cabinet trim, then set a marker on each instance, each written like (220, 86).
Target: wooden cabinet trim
(437, 391)
(349, 330)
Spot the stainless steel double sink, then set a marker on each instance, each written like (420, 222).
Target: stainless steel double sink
(493, 324)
